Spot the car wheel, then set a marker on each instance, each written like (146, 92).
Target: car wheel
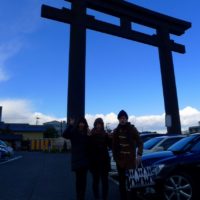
(178, 187)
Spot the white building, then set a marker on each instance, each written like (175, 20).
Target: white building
(58, 125)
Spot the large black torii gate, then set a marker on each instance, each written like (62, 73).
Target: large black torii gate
(127, 13)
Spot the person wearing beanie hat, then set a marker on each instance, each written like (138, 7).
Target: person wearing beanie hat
(99, 159)
(77, 133)
(122, 113)
(127, 148)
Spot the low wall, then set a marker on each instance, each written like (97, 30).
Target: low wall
(50, 144)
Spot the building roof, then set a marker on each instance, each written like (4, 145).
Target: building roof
(22, 127)
(52, 122)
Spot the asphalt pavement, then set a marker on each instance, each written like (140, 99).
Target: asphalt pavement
(42, 176)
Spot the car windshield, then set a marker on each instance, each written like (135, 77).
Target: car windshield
(146, 137)
(152, 142)
(181, 144)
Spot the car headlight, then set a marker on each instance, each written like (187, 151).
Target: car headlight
(158, 168)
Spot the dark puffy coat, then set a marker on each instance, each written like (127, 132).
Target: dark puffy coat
(132, 141)
(79, 147)
(99, 156)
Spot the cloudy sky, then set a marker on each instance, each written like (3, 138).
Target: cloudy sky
(120, 74)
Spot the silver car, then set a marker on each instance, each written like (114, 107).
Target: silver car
(8, 149)
(161, 143)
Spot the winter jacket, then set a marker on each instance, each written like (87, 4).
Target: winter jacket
(126, 141)
(79, 147)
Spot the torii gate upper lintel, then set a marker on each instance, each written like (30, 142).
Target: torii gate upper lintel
(127, 13)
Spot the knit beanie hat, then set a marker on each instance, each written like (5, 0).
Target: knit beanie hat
(122, 113)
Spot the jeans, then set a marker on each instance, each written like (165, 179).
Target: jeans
(124, 194)
(81, 182)
(100, 176)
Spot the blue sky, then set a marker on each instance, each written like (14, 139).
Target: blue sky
(120, 74)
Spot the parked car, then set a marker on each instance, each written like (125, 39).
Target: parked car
(113, 170)
(8, 149)
(179, 170)
(146, 136)
(3, 153)
(161, 143)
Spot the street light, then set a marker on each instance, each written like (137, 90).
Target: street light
(37, 120)
(61, 127)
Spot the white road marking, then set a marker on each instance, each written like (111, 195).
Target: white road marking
(10, 160)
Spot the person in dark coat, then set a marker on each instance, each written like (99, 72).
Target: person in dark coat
(99, 158)
(126, 141)
(78, 135)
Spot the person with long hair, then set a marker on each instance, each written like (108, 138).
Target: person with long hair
(99, 159)
(78, 135)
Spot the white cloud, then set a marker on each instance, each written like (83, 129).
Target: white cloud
(22, 111)
(25, 21)
(3, 75)
(7, 50)
(15, 110)
(151, 123)
(109, 119)
(19, 20)
(190, 116)
(143, 123)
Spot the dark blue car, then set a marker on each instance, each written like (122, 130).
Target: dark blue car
(3, 153)
(179, 170)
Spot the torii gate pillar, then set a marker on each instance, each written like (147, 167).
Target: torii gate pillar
(172, 118)
(77, 54)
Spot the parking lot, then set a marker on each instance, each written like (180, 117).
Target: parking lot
(42, 176)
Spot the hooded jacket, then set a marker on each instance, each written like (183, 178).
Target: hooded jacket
(79, 145)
